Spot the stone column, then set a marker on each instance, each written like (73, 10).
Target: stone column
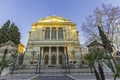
(57, 58)
(49, 61)
(56, 33)
(43, 34)
(50, 33)
(65, 57)
(63, 34)
(29, 35)
(42, 59)
(65, 49)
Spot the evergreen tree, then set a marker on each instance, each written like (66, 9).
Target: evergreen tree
(10, 32)
(106, 43)
(14, 34)
(1, 36)
(5, 29)
(6, 26)
(107, 46)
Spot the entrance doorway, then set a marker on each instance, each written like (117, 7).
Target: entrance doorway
(53, 60)
(46, 60)
(60, 59)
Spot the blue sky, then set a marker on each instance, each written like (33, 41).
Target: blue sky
(24, 12)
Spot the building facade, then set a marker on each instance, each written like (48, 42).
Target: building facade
(52, 38)
(10, 46)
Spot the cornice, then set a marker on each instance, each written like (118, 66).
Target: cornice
(53, 23)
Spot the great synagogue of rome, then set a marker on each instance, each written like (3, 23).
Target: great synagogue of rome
(54, 40)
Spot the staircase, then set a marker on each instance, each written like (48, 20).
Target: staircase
(26, 69)
(31, 69)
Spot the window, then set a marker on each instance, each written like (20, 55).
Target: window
(60, 33)
(53, 33)
(47, 33)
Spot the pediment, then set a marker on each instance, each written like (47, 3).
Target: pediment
(53, 19)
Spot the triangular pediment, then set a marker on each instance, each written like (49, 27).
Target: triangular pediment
(53, 19)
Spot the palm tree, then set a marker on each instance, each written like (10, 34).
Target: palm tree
(21, 58)
(116, 71)
(93, 58)
(5, 62)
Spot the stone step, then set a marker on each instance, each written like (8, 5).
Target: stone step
(21, 71)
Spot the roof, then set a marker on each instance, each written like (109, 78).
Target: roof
(95, 42)
(9, 43)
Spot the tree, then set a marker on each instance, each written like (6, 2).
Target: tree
(5, 62)
(21, 58)
(5, 29)
(1, 36)
(102, 25)
(14, 34)
(107, 46)
(94, 58)
(10, 32)
(108, 16)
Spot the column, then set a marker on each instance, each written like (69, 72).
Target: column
(56, 33)
(64, 34)
(50, 33)
(42, 59)
(65, 49)
(57, 62)
(49, 61)
(65, 57)
(43, 34)
(29, 35)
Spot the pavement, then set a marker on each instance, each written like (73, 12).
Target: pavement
(18, 77)
(58, 74)
(88, 76)
(54, 78)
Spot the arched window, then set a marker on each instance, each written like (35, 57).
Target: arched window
(60, 33)
(53, 33)
(47, 33)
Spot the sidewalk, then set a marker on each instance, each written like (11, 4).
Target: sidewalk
(18, 77)
(87, 76)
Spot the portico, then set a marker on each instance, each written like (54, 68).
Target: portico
(52, 55)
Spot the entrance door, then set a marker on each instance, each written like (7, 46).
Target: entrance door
(46, 60)
(60, 59)
(53, 59)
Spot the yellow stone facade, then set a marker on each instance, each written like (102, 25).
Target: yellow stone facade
(53, 37)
